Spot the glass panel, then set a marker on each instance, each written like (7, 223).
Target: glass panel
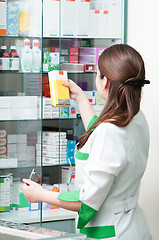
(75, 34)
(20, 104)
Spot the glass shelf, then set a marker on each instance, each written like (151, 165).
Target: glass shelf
(81, 37)
(19, 73)
(19, 37)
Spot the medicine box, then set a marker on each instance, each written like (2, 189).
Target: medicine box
(3, 30)
(12, 19)
(71, 144)
(54, 134)
(103, 27)
(51, 18)
(91, 96)
(68, 18)
(59, 93)
(5, 102)
(3, 141)
(94, 23)
(82, 18)
(8, 162)
(72, 67)
(64, 112)
(66, 174)
(72, 112)
(115, 19)
(55, 142)
(50, 61)
(51, 148)
(3, 133)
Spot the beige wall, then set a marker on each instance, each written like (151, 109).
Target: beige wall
(143, 35)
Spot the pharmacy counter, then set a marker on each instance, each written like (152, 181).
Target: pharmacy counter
(18, 231)
(58, 219)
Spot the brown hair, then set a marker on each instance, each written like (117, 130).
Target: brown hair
(121, 64)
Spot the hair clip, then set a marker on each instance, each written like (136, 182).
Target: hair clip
(138, 83)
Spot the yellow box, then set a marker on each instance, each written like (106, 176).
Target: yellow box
(59, 93)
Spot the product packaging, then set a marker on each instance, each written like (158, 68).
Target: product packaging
(3, 30)
(12, 19)
(51, 18)
(68, 18)
(82, 18)
(59, 93)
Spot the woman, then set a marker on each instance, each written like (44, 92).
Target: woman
(111, 156)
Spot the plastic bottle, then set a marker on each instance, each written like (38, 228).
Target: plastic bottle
(4, 59)
(26, 57)
(36, 66)
(14, 59)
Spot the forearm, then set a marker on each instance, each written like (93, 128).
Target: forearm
(51, 198)
(86, 110)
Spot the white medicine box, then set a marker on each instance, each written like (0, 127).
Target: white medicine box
(68, 18)
(82, 18)
(115, 19)
(51, 18)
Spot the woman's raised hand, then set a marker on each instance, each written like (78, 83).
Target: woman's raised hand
(74, 89)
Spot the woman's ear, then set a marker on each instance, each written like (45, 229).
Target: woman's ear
(106, 83)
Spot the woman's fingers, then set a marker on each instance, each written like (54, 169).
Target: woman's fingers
(27, 181)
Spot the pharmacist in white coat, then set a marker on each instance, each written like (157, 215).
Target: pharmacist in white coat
(111, 156)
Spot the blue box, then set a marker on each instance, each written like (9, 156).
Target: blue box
(64, 112)
(71, 144)
(12, 19)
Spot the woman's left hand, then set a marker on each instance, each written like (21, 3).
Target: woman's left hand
(33, 191)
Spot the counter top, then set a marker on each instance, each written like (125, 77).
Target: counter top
(34, 216)
(18, 231)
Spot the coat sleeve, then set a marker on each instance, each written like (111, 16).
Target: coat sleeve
(73, 196)
(106, 160)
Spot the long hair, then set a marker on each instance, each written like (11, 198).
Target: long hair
(120, 64)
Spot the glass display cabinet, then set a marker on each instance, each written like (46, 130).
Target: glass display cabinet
(37, 37)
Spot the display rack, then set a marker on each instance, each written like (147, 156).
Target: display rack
(67, 35)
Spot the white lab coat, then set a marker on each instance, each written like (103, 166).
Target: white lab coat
(109, 168)
(109, 180)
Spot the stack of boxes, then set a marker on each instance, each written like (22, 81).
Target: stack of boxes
(56, 112)
(5, 162)
(74, 55)
(18, 107)
(20, 18)
(73, 59)
(91, 19)
(54, 146)
(49, 111)
(17, 148)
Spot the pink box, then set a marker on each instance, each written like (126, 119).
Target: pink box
(74, 51)
(84, 59)
(87, 51)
